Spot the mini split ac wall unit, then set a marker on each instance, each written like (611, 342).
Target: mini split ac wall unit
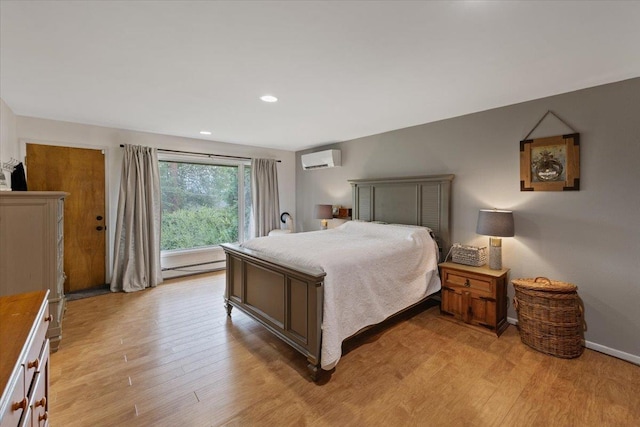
(321, 159)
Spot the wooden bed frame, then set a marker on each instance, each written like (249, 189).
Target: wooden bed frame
(288, 299)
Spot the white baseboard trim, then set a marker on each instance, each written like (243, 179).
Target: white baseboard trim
(600, 348)
(190, 271)
(613, 352)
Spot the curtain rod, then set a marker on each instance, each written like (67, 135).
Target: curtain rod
(193, 153)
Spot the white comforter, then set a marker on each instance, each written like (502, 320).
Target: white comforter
(373, 271)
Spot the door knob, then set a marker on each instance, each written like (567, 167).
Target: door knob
(99, 218)
(99, 228)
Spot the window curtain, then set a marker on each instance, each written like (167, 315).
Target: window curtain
(137, 242)
(264, 196)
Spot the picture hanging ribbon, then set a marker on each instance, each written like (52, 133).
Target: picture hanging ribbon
(543, 117)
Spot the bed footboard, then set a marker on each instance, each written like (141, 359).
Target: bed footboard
(285, 298)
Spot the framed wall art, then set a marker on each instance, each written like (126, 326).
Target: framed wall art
(550, 164)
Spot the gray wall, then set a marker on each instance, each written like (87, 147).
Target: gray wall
(590, 237)
(8, 136)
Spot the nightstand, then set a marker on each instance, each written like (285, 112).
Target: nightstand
(475, 296)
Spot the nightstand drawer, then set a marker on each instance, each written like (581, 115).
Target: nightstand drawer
(468, 281)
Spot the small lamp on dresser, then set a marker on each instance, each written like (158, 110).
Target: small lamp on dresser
(324, 213)
(495, 223)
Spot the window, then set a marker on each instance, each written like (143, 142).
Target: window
(200, 203)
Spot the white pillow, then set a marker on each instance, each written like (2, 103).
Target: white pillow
(412, 226)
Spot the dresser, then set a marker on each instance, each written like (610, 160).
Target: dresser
(24, 359)
(32, 249)
(475, 296)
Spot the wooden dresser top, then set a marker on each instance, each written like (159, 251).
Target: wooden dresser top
(31, 194)
(18, 314)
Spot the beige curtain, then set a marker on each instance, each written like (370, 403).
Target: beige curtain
(264, 196)
(137, 242)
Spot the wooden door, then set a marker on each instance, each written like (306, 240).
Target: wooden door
(80, 172)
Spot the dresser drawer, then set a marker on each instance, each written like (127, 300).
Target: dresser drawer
(26, 418)
(32, 362)
(476, 283)
(17, 403)
(40, 390)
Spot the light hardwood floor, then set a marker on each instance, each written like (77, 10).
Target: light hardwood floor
(169, 356)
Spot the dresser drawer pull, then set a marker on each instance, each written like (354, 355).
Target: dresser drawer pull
(49, 318)
(41, 402)
(467, 283)
(43, 417)
(33, 364)
(20, 405)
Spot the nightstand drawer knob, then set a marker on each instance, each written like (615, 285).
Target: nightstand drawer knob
(467, 283)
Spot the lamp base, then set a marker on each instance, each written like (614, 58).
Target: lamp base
(495, 253)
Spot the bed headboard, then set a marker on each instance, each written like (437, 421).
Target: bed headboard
(418, 200)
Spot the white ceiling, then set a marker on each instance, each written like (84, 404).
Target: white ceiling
(342, 70)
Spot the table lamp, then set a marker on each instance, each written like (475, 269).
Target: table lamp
(324, 213)
(495, 223)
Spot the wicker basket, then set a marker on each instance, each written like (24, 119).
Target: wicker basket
(469, 255)
(549, 316)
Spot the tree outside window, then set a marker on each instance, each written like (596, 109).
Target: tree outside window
(200, 204)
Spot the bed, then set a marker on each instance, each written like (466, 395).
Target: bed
(315, 299)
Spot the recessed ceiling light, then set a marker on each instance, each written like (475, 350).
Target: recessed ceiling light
(269, 98)
(205, 132)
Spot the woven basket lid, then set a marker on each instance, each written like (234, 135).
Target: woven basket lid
(544, 284)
